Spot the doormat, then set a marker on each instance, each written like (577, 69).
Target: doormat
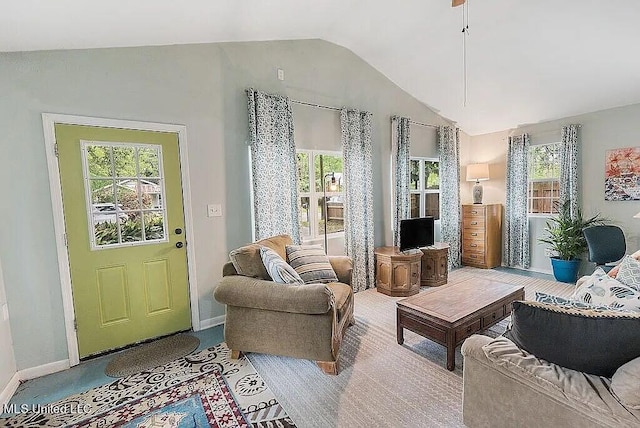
(255, 399)
(149, 355)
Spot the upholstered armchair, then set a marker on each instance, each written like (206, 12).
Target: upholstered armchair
(301, 321)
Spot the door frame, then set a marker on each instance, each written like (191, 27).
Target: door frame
(49, 120)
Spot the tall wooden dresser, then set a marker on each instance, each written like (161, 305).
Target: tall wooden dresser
(482, 235)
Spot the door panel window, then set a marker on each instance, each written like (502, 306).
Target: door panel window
(125, 190)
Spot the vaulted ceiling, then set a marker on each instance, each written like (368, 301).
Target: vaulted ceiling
(527, 60)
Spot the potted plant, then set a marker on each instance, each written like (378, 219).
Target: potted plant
(565, 238)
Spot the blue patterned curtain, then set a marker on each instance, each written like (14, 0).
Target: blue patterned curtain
(273, 165)
(516, 221)
(569, 167)
(358, 210)
(401, 173)
(450, 191)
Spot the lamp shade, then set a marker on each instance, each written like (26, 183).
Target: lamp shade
(477, 172)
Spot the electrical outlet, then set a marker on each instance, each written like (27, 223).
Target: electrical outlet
(214, 210)
(280, 74)
(5, 312)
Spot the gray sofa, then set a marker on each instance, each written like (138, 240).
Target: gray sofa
(507, 387)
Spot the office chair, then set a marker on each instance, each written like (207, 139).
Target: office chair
(606, 244)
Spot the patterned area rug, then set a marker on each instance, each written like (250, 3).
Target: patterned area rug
(132, 393)
(203, 401)
(381, 383)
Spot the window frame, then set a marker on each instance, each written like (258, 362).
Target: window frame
(314, 195)
(551, 180)
(421, 191)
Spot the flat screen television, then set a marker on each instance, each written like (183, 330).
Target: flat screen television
(416, 232)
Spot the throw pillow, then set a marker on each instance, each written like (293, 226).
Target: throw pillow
(614, 272)
(601, 289)
(311, 263)
(625, 384)
(629, 272)
(277, 268)
(595, 342)
(248, 262)
(568, 303)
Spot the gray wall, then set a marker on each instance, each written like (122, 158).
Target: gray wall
(200, 86)
(7, 362)
(600, 131)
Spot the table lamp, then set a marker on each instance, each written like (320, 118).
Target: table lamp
(477, 172)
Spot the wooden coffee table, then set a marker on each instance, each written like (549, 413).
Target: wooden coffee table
(451, 313)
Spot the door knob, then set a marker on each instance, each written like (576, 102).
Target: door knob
(179, 245)
(178, 231)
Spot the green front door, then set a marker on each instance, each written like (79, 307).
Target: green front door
(124, 219)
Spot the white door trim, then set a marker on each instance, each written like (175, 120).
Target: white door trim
(48, 121)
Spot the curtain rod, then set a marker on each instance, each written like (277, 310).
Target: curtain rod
(542, 132)
(315, 105)
(413, 122)
(422, 124)
(304, 103)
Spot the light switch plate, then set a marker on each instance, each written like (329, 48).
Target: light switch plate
(5, 312)
(214, 210)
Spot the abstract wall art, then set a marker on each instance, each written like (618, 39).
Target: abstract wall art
(622, 174)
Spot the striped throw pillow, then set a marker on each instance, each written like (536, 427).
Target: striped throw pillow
(277, 268)
(311, 263)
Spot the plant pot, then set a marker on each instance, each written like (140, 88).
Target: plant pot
(565, 270)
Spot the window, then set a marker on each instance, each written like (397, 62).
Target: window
(317, 202)
(424, 187)
(544, 178)
(124, 185)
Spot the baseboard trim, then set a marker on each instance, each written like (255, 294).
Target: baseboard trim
(211, 322)
(9, 390)
(545, 271)
(43, 370)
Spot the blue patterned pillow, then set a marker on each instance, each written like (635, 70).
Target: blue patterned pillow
(311, 263)
(277, 268)
(570, 303)
(629, 273)
(601, 289)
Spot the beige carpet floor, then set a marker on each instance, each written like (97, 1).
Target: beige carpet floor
(381, 383)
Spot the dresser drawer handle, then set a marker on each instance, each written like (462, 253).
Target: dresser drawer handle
(469, 329)
(474, 222)
(474, 212)
(474, 245)
(474, 234)
(473, 256)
